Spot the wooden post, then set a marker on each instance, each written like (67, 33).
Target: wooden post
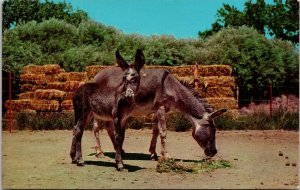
(10, 103)
(196, 81)
(271, 98)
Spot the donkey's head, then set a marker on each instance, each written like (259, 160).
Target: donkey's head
(204, 132)
(131, 76)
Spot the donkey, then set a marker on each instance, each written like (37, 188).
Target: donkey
(107, 102)
(159, 92)
(156, 130)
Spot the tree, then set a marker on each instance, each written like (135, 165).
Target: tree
(19, 11)
(279, 20)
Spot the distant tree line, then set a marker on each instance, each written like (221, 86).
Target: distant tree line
(280, 19)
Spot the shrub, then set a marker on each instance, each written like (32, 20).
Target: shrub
(177, 122)
(260, 121)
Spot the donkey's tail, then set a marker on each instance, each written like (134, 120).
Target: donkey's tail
(81, 102)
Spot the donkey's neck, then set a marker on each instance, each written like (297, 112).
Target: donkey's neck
(183, 98)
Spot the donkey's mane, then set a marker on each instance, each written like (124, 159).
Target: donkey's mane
(202, 100)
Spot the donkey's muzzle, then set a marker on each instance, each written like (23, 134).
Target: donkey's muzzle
(129, 93)
(210, 152)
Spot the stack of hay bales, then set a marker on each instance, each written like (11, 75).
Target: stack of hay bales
(49, 88)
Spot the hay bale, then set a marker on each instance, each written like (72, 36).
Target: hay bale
(31, 87)
(26, 95)
(40, 79)
(45, 69)
(68, 96)
(63, 77)
(65, 86)
(215, 70)
(33, 69)
(55, 85)
(18, 105)
(49, 94)
(78, 76)
(71, 85)
(94, 69)
(72, 76)
(217, 92)
(219, 81)
(220, 103)
(44, 105)
(67, 105)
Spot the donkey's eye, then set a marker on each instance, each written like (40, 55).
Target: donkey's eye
(135, 80)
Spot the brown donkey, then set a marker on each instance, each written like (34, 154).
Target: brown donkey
(160, 91)
(112, 103)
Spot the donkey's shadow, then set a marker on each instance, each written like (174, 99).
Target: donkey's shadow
(127, 156)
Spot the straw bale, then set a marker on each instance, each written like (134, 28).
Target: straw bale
(215, 70)
(219, 103)
(219, 81)
(45, 105)
(67, 105)
(217, 92)
(33, 69)
(71, 85)
(68, 96)
(26, 95)
(42, 69)
(72, 76)
(51, 69)
(48, 94)
(18, 105)
(31, 87)
(55, 85)
(37, 78)
(77, 76)
(63, 77)
(94, 69)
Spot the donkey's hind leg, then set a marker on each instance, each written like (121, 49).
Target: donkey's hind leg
(96, 131)
(161, 122)
(76, 151)
(152, 149)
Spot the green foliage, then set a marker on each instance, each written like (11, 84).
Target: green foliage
(260, 121)
(177, 122)
(42, 121)
(279, 19)
(255, 60)
(16, 12)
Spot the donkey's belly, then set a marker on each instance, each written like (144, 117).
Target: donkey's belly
(142, 110)
(102, 117)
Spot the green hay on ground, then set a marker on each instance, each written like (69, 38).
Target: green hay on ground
(171, 165)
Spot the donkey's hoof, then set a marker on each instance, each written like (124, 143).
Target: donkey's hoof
(80, 163)
(100, 155)
(120, 167)
(154, 157)
(74, 162)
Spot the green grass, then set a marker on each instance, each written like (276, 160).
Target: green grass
(171, 165)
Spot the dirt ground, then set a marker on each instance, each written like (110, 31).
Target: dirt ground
(40, 159)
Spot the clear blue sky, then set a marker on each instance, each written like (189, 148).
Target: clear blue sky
(180, 18)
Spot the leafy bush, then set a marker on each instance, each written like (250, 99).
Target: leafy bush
(177, 122)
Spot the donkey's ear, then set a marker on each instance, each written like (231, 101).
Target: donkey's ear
(121, 62)
(139, 60)
(216, 114)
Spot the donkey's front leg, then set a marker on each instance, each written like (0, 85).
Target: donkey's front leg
(161, 122)
(76, 152)
(119, 137)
